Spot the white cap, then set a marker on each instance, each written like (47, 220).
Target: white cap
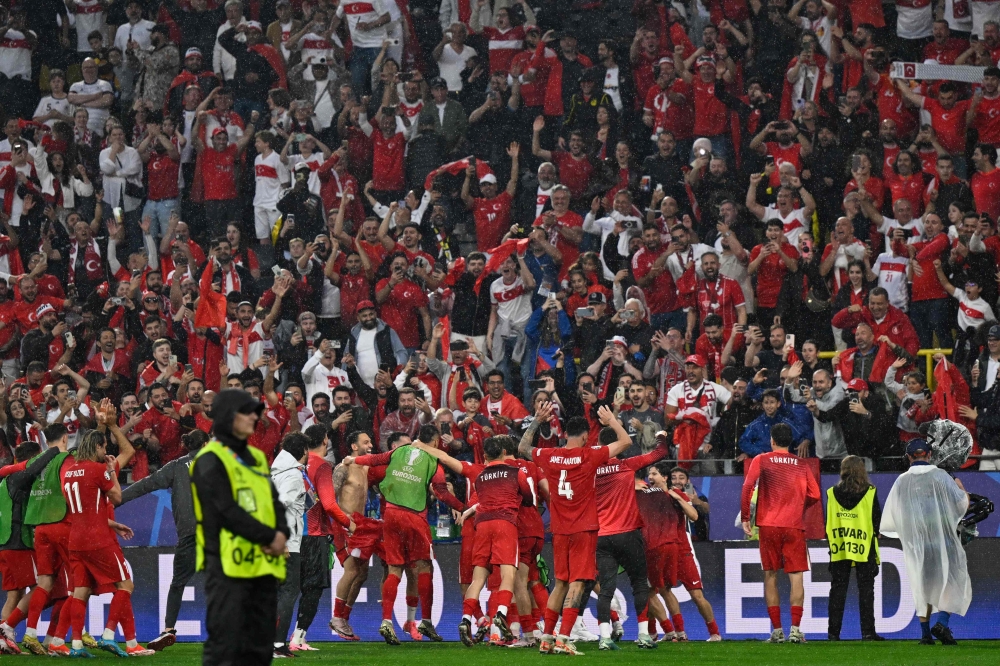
(488, 178)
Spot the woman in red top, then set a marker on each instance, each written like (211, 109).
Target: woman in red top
(874, 189)
(242, 255)
(905, 181)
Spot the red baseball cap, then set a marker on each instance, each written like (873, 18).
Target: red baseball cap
(857, 385)
(696, 359)
(364, 305)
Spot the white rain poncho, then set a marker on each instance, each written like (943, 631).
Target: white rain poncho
(923, 510)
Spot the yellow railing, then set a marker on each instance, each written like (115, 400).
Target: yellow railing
(928, 355)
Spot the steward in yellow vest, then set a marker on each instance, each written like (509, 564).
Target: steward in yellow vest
(853, 515)
(241, 532)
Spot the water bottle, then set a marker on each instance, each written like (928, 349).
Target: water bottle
(444, 522)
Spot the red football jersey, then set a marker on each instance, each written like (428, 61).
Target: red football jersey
(572, 472)
(616, 508)
(492, 218)
(85, 487)
(529, 521)
(662, 518)
(785, 486)
(501, 489)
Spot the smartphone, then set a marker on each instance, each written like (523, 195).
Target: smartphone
(415, 358)
(276, 270)
(300, 137)
(702, 152)
(173, 359)
(855, 162)
(335, 344)
(610, 344)
(587, 386)
(620, 393)
(136, 273)
(386, 367)
(585, 312)
(188, 368)
(790, 340)
(345, 144)
(769, 160)
(842, 100)
(536, 384)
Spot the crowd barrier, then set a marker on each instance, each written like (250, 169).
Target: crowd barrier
(928, 355)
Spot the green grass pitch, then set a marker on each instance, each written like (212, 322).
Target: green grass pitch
(894, 653)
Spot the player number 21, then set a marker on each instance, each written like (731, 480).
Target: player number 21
(564, 489)
(73, 491)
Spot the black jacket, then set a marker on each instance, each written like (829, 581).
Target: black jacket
(667, 172)
(176, 476)
(470, 315)
(727, 432)
(198, 29)
(247, 62)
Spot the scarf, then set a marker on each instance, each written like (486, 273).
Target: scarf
(92, 263)
(691, 430)
(274, 59)
(237, 335)
(498, 255)
(951, 393)
(457, 168)
(671, 374)
(211, 309)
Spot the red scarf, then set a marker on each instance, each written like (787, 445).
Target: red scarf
(92, 263)
(689, 434)
(237, 334)
(951, 393)
(274, 59)
(498, 255)
(211, 309)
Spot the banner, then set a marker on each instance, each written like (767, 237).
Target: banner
(731, 573)
(919, 70)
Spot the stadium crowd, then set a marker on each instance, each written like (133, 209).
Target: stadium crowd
(491, 219)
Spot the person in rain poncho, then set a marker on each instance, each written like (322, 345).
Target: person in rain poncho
(923, 510)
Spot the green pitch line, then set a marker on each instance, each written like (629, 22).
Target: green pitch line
(891, 653)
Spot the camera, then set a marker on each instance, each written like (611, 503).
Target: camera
(117, 300)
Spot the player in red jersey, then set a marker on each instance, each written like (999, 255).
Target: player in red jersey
(619, 539)
(785, 487)
(687, 567)
(574, 523)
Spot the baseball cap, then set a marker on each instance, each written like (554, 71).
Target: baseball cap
(695, 359)
(705, 60)
(364, 305)
(219, 130)
(619, 340)
(917, 446)
(43, 309)
(193, 51)
(282, 2)
(857, 385)
(596, 298)
(302, 166)
(254, 25)
(488, 178)
(994, 332)
(664, 59)
(438, 82)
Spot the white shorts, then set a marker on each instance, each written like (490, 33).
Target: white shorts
(264, 220)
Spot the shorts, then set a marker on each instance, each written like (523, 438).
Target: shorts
(407, 537)
(528, 550)
(575, 556)
(661, 566)
(783, 548)
(17, 567)
(97, 568)
(264, 220)
(314, 553)
(52, 548)
(687, 570)
(367, 538)
(465, 565)
(496, 544)
(342, 555)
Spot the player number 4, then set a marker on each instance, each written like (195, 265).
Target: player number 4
(564, 489)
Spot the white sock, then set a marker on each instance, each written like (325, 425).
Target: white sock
(644, 627)
(515, 628)
(471, 619)
(55, 641)
(298, 636)
(77, 645)
(605, 628)
(31, 632)
(108, 635)
(537, 633)
(411, 613)
(132, 643)
(502, 610)
(278, 645)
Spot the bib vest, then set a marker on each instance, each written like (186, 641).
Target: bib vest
(407, 476)
(7, 518)
(850, 531)
(46, 503)
(251, 486)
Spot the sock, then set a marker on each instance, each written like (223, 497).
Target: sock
(775, 614)
(16, 616)
(120, 612)
(478, 613)
(425, 588)
(678, 623)
(39, 600)
(389, 589)
(108, 634)
(411, 608)
(57, 620)
(796, 615)
(643, 627)
(78, 617)
(541, 596)
(347, 611)
(551, 617)
(614, 616)
(132, 643)
(536, 616)
(605, 629)
(569, 616)
(713, 628)
(667, 627)
(338, 608)
(77, 644)
(643, 615)
(469, 609)
(943, 618)
(503, 598)
(491, 604)
(925, 629)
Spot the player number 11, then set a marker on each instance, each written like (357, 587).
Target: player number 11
(71, 490)
(564, 489)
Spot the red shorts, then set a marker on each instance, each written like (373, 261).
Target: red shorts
(367, 538)
(52, 548)
(687, 569)
(342, 555)
(17, 567)
(783, 548)
(528, 550)
(407, 537)
(98, 568)
(465, 565)
(496, 544)
(575, 556)
(661, 566)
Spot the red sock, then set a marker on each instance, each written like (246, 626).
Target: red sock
(412, 602)
(679, 622)
(536, 615)
(338, 608)
(347, 611)
(713, 628)
(478, 613)
(775, 613)
(541, 595)
(551, 617)
(39, 600)
(56, 621)
(796, 615)
(425, 588)
(491, 604)
(78, 617)
(614, 616)
(667, 627)
(389, 588)
(15, 617)
(569, 616)
(120, 612)
(643, 615)
(470, 607)
(504, 598)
